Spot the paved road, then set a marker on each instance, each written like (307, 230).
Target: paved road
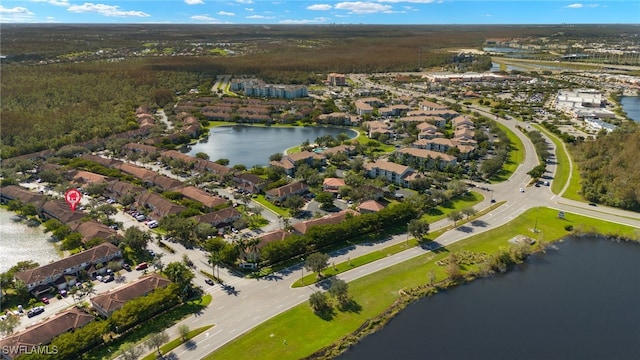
(254, 301)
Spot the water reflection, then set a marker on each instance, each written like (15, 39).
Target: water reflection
(19, 242)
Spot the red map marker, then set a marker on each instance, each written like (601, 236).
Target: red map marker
(73, 196)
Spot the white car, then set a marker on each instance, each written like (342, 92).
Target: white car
(521, 189)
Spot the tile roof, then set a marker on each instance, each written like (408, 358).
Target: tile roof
(201, 196)
(303, 227)
(42, 333)
(108, 302)
(104, 250)
(371, 205)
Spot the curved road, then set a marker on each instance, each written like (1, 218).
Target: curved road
(248, 302)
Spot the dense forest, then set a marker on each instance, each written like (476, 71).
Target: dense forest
(610, 170)
(68, 83)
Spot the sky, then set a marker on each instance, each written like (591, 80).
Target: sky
(321, 11)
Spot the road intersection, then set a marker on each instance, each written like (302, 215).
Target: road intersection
(257, 300)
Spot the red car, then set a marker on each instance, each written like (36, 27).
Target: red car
(142, 266)
(45, 300)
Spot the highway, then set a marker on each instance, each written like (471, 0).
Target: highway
(254, 301)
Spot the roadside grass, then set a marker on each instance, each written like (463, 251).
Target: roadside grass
(563, 170)
(153, 325)
(441, 212)
(516, 156)
(306, 332)
(269, 205)
(166, 348)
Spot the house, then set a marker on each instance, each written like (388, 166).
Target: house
(108, 302)
(334, 79)
(92, 229)
(201, 196)
(279, 194)
(62, 273)
(291, 161)
(42, 333)
(429, 106)
(212, 167)
(371, 192)
(60, 210)
(264, 239)
(381, 127)
(119, 189)
(332, 185)
(86, 177)
(332, 219)
(249, 183)
(349, 150)
(395, 173)
(139, 148)
(220, 218)
(160, 207)
(370, 206)
(14, 192)
(336, 118)
(428, 158)
(101, 160)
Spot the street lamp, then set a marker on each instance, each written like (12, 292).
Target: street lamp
(302, 275)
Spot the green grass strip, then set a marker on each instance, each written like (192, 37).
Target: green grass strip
(306, 333)
(516, 156)
(177, 342)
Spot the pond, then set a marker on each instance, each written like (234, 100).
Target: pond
(21, 242)
(577, 302)
(252, 145)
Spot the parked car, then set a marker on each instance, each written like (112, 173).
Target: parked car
(107, 279)
(141, 217)
(152, 224)
(142, 266)
(126, 266)
(209, 281)
(45, 300)
(35, 311)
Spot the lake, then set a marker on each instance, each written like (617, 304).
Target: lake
(631, 105)
(19, 242)
(253, 145)
(577, 302)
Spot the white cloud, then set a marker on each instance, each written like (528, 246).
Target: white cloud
(193, 2)
(54, 2)
(580, 6)
(319, 7)
(15, 14)
(360, 7)
(245, 1)
(409, 1)
(248, 9)
(224, 13)
(259, 17)
(205, 17)
(105, 10)
(318, 20)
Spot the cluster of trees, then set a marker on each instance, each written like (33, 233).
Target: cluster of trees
(541, 146)
(609, 170)
(319, 237)
(491, 167)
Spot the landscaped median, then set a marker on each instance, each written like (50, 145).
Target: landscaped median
(375, 294)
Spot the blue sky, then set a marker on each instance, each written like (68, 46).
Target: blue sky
(321, 11)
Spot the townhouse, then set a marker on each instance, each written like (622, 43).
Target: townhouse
(332, 185)
(42, 333)
(106, 303)
(221, 218)
(64, 272)
(279, 194)
(291, 161)
(427, 158)
(395, 173)
(331, 219)
(201, 196)
(159, 206)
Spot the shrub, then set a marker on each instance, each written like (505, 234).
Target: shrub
(568, 227)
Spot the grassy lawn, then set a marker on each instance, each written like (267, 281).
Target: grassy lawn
(441, 212)
(563, 170)
(516, 156)
(177, 342)
(156, 324)
(305, 332)
(269, 205)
